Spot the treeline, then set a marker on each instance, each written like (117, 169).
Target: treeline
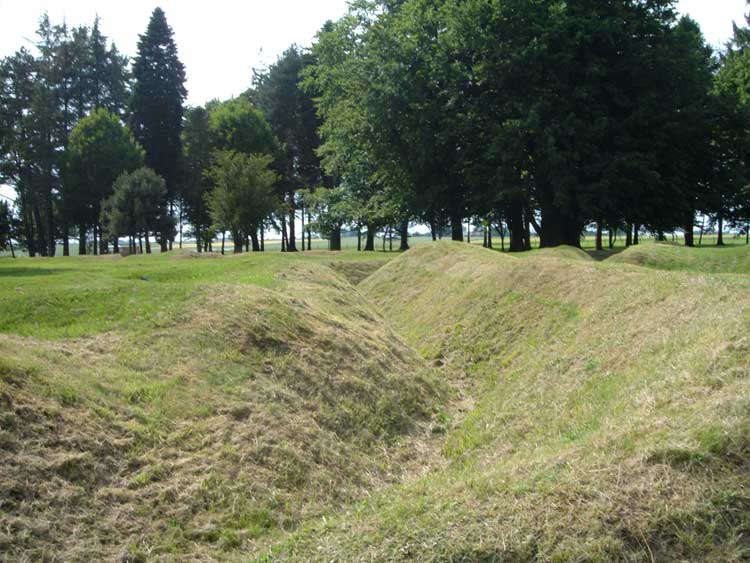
(100, 149)
(519, 116)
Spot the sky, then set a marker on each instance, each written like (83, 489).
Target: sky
(221, 41)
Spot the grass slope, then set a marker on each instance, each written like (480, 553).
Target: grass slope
(172, 408)
(607, 415)
(731, 259)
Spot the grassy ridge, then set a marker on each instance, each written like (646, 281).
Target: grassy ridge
(733, 259)
(175, 408)
(609, 420)
(263, 408)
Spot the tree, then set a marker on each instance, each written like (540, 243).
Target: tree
(729, 196)
(243, 196)
(99, 150)
(7, 224)
(197, 145)
(236, 125)
(157, 102)
(137, 207)
(291, 113)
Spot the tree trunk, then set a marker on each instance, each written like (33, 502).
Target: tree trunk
(309, 236)
(302, 225)
(359, 238)
(291, 245)
(689, 229)
(433, 230)
(501, 232)
(262, 237)
(66, 237)
(515, 226)
(628, 235)
(404, 236)
(468, 230)
(255, 240)
(103, 242)
(599, 245)
(489, 235)
(95, 241)
(370, 242)
(720, 239)
(238, 242)
(335, 243)
(49, 217)
(223, 239)
(457, 228)
(41, 244)
(140, 242)
(636, 234)
(558, 229)
(82, 240)
(180, 219)
(116, 245)
(147, 236)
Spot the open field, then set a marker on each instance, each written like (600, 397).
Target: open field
(447, 404)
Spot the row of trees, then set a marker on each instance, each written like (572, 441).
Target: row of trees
(63, 134)
(520, 114)
(234, 167)
(517, 115)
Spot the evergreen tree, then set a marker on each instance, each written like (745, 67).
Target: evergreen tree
(196, 142)
(291, 113)
(137, 207)
(157, 103)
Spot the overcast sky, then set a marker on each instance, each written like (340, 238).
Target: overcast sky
(221, 41)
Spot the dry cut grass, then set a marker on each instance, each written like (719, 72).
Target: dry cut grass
(249, 411)
(611, 419)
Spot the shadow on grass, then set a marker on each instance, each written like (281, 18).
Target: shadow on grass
(30, 272)
(601, 255)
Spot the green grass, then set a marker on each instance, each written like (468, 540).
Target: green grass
(585, 377)
(214, 400)
(730, 259)
(457, 405)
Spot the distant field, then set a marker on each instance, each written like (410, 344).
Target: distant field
(447, 404)
(588, 243)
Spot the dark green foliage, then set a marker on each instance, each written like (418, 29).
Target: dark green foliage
(137, 206)
(157, 102)
(291, 113)
(99, 150)
(43, 95)
(243, 195)
(197, 146)
(238, 126)
(550, 114)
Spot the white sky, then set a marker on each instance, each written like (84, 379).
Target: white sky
(221, 41)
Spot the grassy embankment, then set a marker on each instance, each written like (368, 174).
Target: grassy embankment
(168, 407)
(262, 408)
(611, 413)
